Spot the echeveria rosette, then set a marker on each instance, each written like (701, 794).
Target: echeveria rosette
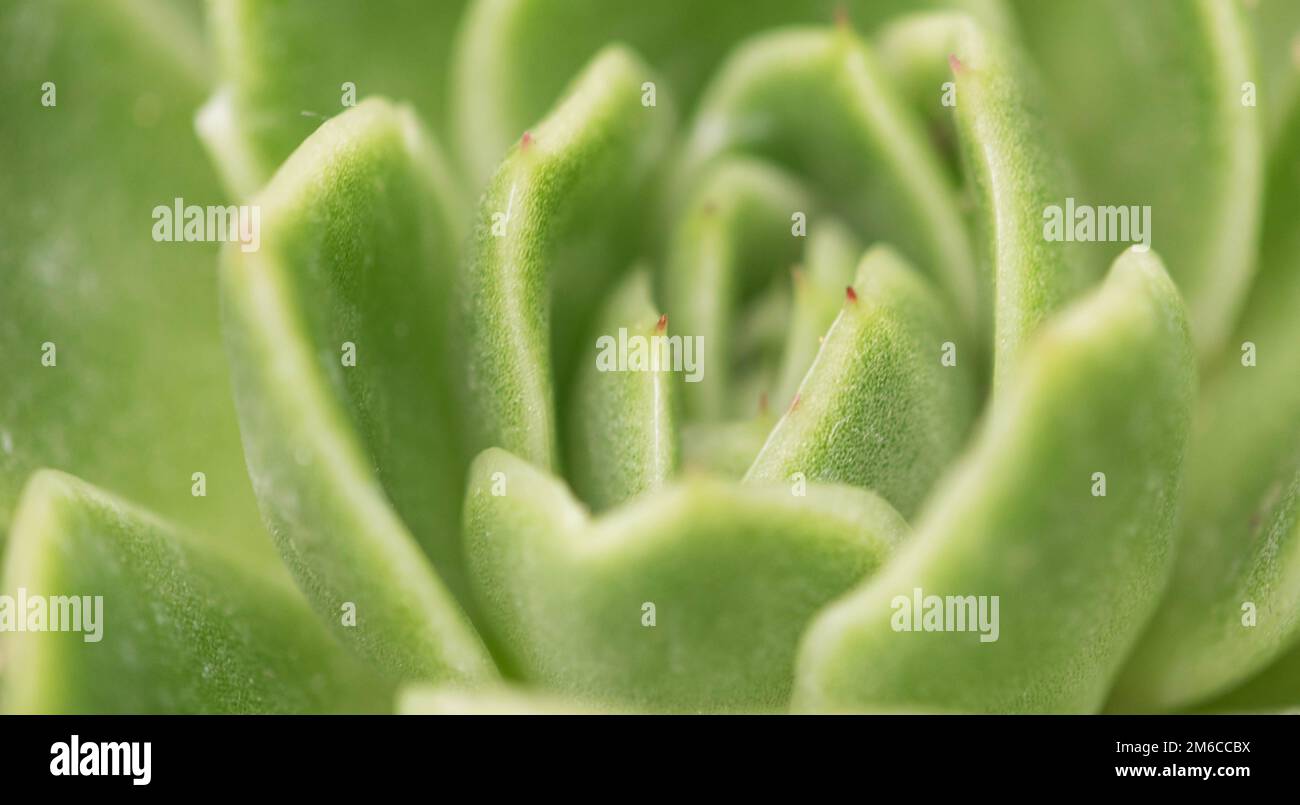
(914, 390)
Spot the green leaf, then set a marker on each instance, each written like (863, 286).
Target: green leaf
(1107, 387)
(136, 397)
(1239, 542)
(878, 409)
(1225, 620)
(283, 67)
(757, 341)
(353, 462)
(727, 574)
(734, 233)
(1016, 175)
(1160, 121)
(914, 49)
(1275, 28)
(625, 406)
(180, 626)
(1275, 688)
(817, 102)
(829, 261)
(725, 448)
(508, 70)
(587, 161)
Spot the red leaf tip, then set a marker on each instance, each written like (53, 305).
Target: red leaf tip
(663, 323)
(526, 140)
(955, 63)
(850, 294)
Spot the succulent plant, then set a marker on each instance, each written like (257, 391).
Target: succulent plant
(411, 446)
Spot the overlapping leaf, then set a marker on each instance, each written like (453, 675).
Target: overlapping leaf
(689, 599)
(816, 101)
(287, 67)
(879, 408)
(1234, 602)
(633, 405)
(509, 70)
(1190, 144)
(587, 161)
(337, 331)
(1106, 388)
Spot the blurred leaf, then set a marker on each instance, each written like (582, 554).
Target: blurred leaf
(828, 265)
(182, 628)
(138, 399)
(725, 448)
(1233, 606)
(815, 101)
(509, 69)
(757, 341)
(1275, 688)
(1150, 95)
(283, 66)
(734, 233)
(1275, 26)
(1239, 540)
